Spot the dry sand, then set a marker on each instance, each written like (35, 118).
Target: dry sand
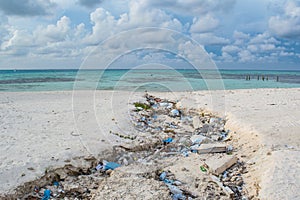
(40, 130)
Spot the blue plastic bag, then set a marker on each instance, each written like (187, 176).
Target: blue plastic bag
(111, 165)
(47, 194)
(168, 140)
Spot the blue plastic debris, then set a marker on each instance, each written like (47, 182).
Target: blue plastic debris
(178, 197)
(55, 183)
(99, 166)
(111, 165)
(185, 153)
(163, 176)
(168, 181)
(229, 148)
(168, 140)
(225, 173)
(194, 148)
(174, 190)
(177, 183)
(47, 194)
(174, 113)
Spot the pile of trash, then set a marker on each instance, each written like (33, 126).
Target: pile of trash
(181, 154)
(189, 132)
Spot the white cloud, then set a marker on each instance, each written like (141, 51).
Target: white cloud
(246, 48)
(53, 32)
(282, 53)
(204, 24)
(231, 49)
(19, 39)
(264, 38)
(105, 24)
(240, 38)
(227, 57)
(209, 39)
(287, 25)
(246, 56)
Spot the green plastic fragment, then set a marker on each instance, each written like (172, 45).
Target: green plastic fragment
(203, 169)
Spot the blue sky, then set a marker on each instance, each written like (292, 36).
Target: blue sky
(237, 34)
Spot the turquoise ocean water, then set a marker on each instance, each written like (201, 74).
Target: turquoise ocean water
(141, 80)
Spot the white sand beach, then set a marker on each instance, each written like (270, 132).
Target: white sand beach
(42, 130)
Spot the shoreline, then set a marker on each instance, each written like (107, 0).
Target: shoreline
(249, 116)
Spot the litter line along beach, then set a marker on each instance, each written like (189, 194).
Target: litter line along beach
(42, 132)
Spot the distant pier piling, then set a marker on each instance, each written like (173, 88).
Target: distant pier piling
(261, 77)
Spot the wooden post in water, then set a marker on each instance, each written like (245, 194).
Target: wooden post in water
(258, 77)
(277, 78)
(263, 77)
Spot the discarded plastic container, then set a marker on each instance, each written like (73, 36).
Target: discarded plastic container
(166, 105)
(111, 165)
(177, 183)
(174, 190)
(185, 154)
(99, 166)
(163, 176)
(229, 149)
(174, 113)
(47, 194)
(194, 148)
(168, 181)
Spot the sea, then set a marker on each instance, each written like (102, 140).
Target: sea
(145, 80)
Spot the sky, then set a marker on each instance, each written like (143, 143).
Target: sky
(236, 34)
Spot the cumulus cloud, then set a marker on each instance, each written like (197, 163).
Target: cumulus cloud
(246, 56)
(245, 48)
(209, 39)
(240, 38)
(230, 49)
(139, 16)
(26, 7)
(204, 24)
(264, 38)
(54, 32)
(17, 43)
(287, 25)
